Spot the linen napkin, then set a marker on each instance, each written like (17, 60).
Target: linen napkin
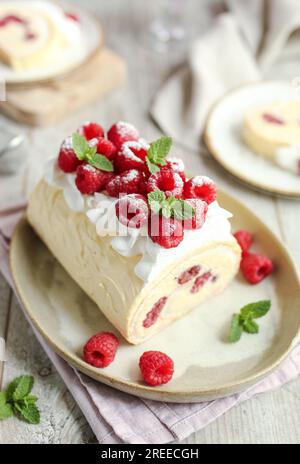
(242, 46)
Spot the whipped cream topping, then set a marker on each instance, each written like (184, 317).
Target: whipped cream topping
(288, 158)
(128, 242)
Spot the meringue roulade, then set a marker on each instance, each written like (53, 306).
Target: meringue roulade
(140, 281)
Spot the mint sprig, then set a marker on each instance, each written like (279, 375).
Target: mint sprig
(244, 321)
(157, 153)
(89, 154)
(170, 207)
(18, 401)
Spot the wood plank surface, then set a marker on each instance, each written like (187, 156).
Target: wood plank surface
(269, 418)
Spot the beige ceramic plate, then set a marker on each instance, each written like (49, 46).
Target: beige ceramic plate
(206, 365)
(223, 138)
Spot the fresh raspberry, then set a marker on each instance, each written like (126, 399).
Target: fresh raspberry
(167, 233)
(132, 155)
(256, 267)
(196, 222)
(166, 180)
(104, 147)
(201, 187)
(132, 210)
(188, 275)
(200, 282)
(245, 240)
(176, 165)
(67, 159)
(153, 315)
(122, 132)
(91, 130)
(90, 180)
(132, 181)
(100, 350)
(156, 367)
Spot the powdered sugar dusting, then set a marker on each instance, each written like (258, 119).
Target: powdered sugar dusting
(67, 144)
(199, 181)
(131, 175)
(124, 129)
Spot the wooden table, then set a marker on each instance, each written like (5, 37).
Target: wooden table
(269, 418)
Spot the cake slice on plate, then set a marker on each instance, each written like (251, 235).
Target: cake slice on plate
(143, 241)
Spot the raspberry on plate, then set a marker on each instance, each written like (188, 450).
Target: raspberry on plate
(201, 187)
(166, 180)
(245, 240)
(91, 130)
(104, 147)
(67, 159)
(122, 132)
(176, 165)
(156, 367)
(132, 210)
(132, 181)
(132, 155)
(256, 267)
(196, 222)
(167, 233)
(100, 350)
(90, 180)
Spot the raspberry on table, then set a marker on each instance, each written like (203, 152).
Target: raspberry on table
(188, 275)
(131, 181)
(90, 180)
(132, 155)
(132, 210)
(196, 222)
(122, 132)
(104, 147)
(201, 187)
(67, 159)
(256, 267)
(166, 232)
(153, 315)
(245, 240)
(100, 350)
(156, 367)
(91, 130)
(166, 180)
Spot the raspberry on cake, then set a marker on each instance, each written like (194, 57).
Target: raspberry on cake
(122, 132)
(174, 250)
(91, 130)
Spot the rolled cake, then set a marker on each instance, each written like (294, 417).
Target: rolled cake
(34, 35)
(273, 132)
(139, 284)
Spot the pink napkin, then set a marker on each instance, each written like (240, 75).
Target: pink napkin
(117, 417)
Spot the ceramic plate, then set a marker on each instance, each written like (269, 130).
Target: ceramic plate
(71, 58)
(223, 138)
(206, 365)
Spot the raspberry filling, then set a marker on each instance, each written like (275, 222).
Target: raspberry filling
(188, 275)
(200, 282)
(13, 19)
(272, 119)
(153, 315)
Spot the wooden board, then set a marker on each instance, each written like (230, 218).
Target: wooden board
(46, 104)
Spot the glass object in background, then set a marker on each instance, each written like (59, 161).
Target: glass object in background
(12, 155)
(168, 28)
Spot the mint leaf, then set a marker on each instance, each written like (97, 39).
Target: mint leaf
(251, 327)
(5, 408)
(256, 310)
(183, 210)
(100, 162)
(155, 200)
(29, 413)
(20, 388)
(159, 150)
(152, 167)
(236, 329)
(80, 146)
